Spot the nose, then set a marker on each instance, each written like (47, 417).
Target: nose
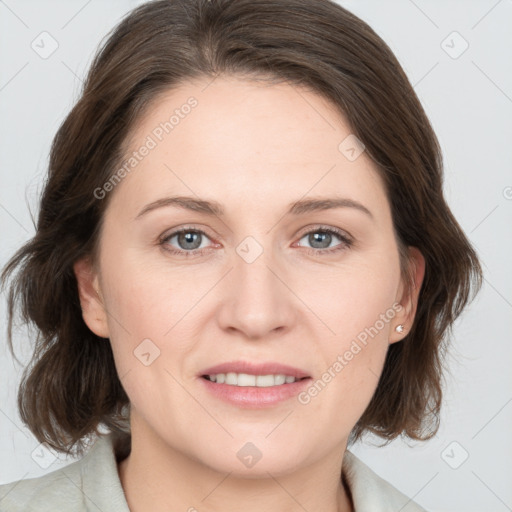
(257, 300)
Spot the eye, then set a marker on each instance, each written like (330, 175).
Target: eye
(190, 242)
(185, 241)
(320, 240)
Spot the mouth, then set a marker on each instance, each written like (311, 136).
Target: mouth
(247, 373)
(249, 385)
(248, 380)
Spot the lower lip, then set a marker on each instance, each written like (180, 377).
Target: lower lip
(254, 397)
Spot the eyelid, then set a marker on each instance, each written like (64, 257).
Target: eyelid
(323, 227)
(176, 231)
(346, 239)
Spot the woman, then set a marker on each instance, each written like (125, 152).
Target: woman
(243, 263)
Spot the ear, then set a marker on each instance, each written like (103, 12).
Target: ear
(408, 297)
(94, 312)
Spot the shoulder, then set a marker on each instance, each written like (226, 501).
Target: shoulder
(90, 483)
(371, 492)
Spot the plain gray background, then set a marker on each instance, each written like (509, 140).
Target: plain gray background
(467, 94)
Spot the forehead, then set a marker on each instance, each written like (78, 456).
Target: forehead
(233, 139)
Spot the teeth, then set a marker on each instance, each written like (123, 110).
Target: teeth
(244, 379)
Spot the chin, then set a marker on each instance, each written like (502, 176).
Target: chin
(253, 459)
(259, 469)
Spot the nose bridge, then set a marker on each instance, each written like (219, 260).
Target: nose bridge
(258, 301)
(254, 282)
(252, 274)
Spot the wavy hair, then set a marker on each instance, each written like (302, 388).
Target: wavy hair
(70, 387)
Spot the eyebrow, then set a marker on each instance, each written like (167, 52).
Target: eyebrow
(214, 208)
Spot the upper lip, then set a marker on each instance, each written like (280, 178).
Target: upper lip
(267, 368)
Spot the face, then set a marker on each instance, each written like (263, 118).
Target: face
(273, 274)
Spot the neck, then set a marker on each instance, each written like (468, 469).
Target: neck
(156, 476)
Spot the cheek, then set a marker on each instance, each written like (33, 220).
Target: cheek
(154, 317)
(356, 307)
(351, 298)
(147, 298)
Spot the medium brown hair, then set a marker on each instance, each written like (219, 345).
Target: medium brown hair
(71, 387)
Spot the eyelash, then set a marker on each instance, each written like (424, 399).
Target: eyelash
(346, 241)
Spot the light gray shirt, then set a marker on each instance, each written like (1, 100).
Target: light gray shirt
(92, 484)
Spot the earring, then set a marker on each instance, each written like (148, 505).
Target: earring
(399, 328)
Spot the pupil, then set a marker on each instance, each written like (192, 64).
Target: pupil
(189, 240)
(319, 238)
